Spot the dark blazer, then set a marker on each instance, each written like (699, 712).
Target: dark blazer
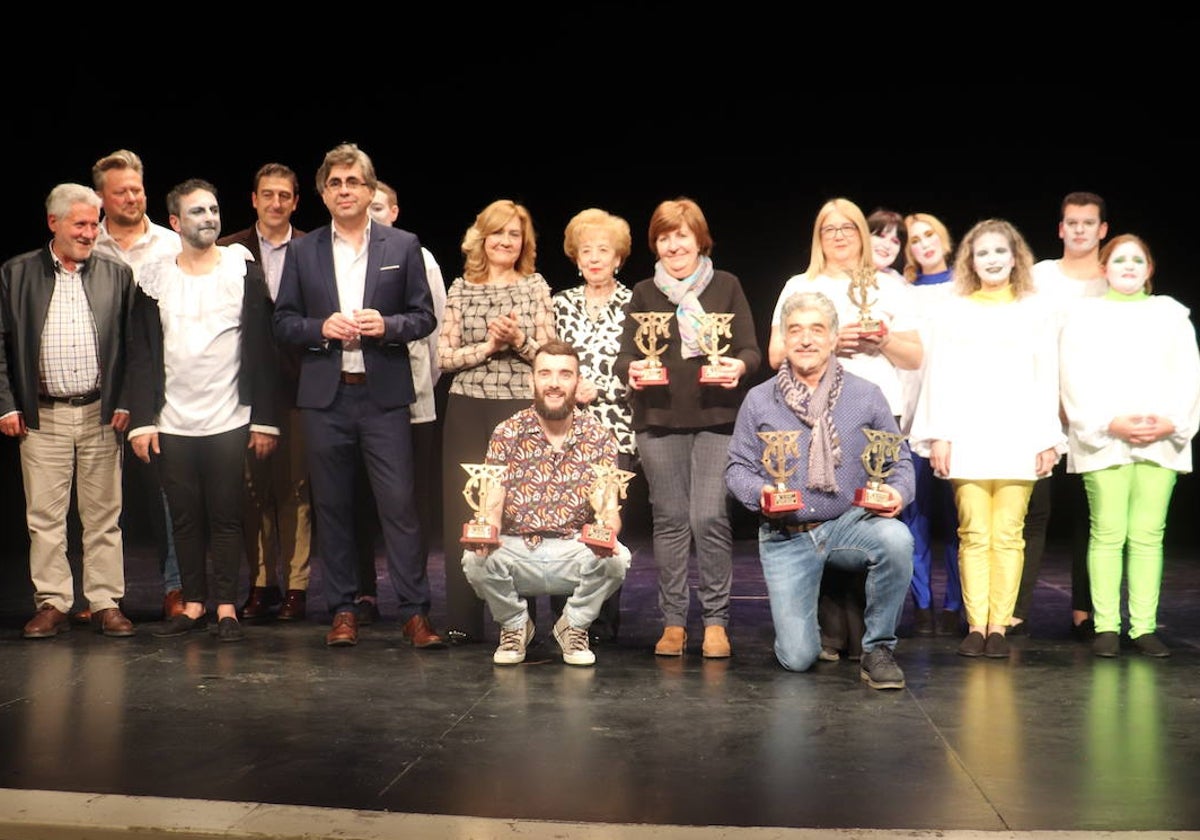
(258, 376)
(26, 286)
(395, 285)
(289, 356)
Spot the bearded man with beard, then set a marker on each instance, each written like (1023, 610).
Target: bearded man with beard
(548, 494)
(202, 382)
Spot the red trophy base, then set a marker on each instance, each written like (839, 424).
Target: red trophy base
(715, 375)
(872, 498)
(872, 327)
(479, 533)
(780, 500)
(652, 376)
(598, 535)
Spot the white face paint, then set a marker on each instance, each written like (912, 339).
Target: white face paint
(1127, 268)
(993, 259)
(927, 248)
(199, 219)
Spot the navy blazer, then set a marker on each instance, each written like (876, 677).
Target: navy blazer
(395, 286)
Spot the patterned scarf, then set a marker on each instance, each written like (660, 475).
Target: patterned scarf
(814, 407)
(685, 294)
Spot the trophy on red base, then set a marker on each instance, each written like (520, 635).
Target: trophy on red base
(483, 480)
(652, 325)
(712, 328)
(862, 281)
(879, 459)
(780, 445)
(608, 488)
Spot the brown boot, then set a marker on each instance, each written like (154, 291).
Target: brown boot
(716, 643)
(673, 640)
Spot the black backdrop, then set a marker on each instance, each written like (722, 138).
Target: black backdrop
(612, 105)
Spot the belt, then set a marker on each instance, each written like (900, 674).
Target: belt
(82, 399)
(794, 528)
(354, 378)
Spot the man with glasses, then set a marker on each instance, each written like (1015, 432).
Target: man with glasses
(352, 295)
(1077, 274)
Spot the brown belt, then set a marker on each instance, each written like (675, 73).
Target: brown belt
(82, 399)
(354, 378)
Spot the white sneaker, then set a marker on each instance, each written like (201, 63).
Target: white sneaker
(574, 643)
(512, 645)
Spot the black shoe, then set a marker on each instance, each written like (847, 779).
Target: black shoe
(1151, 645)
(923, 622)
(1021, 629)
(460, 637)
(181, 625)
(972, 645)
(879, 669)
(228, 630)
(1106, 644)
(996, 646)
(366, 611)
(1084, 631)
(949, 623)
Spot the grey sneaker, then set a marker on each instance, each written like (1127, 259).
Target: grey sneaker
(574, 643)
(512, 645)
(879, 669)
(1151, 645)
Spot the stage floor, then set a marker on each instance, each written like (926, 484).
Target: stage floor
(1052, 739)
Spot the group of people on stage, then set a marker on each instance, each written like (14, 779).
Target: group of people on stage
(279, 385)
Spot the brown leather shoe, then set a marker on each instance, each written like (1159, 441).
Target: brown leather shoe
(173, 604)
(260, 602)
(47, 621)
(294, 605)
(716, 643)
(112, 622)
(344, 631)
(83, 616)
(419, 633)
(673, 641)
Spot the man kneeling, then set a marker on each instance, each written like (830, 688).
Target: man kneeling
(546, 496)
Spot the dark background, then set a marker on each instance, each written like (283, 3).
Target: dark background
(759, 118)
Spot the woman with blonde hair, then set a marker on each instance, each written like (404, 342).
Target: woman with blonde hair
(497, 315)
(987, 418)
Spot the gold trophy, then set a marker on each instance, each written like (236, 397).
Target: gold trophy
(712, 328)
(879, 459)
(608, 488)
(651, 325)
(862, 282)
(483, 480)
(780, 445)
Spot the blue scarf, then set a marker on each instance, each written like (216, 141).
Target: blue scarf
(685, 294)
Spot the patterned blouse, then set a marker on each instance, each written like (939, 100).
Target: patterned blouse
(546, 491)
(598, 338)
(463, 339)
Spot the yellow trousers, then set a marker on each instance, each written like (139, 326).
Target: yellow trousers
(991, 546)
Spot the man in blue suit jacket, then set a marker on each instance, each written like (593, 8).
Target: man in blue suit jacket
(352, 296)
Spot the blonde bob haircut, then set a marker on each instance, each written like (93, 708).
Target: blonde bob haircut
(672, 215)
(911, 267)
(1111, 245)
(592, 219)
(817, 263)
(492, 219)
(966, 281)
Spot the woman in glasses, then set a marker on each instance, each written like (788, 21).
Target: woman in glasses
(877, 337)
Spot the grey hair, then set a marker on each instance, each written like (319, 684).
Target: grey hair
(816, 301)
(65, 196)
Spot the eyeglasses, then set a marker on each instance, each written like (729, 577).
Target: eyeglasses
(350, 183)
(847, 230)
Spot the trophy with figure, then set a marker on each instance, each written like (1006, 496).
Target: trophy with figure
(651, 327)
(863, 282)
(609, 487)
(879, 459)
(713, 326)
(779, 447)
(482, 480)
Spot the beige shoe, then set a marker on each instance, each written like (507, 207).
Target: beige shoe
(672, 642)
(716, 643)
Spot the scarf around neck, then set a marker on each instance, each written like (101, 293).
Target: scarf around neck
(814, 407)
(685, 294)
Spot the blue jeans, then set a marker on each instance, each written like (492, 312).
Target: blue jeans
(555, 567)
(793, 565)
